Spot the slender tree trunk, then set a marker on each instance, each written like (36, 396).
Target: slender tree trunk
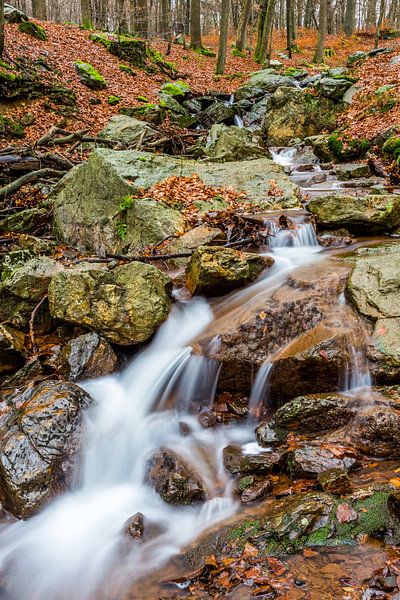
(86, 14)
(308, 13)
(289, 34)
(260, 27)
(187, 17)
(330, 24)
(244, 18)
(380, 21)
(319, 51)
(1, 28)
(223, 37)
(39, 9)
(268, 22)
(350, 17)
(195, 26)
(100, 14)
(141, 17)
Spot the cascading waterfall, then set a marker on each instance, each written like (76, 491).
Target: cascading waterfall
(259, 391)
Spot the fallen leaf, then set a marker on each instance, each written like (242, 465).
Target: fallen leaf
(308, 553)
(250, 550)
(345, 513)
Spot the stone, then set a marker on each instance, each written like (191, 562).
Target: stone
(33, 29)
(174, 480)
(385, 350)
(217, 112)
(309, 460)
(134, 526)
(172, 105)
(335, 481)
(358, 214)
(89, 76)
(38, 444)
(376, 432)
(338, 71)
(374, 284)
(249, 92)
(176, 89)
(12, 350)
(226, 144)
(29, 220)
(86, 357)
(355, 59)
(87, 200)
(352, 170)
(125, 305)
(236, 461)
(13, 14)
(350, 94)
(128, 130)
(333, 89)
(203, 235)
(257, 491)
(267, 434)
(314, 413)
(320, 147)
(269, 81)
(254, 117)
(215, 270)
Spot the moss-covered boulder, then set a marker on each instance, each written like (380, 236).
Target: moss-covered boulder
(128, 130)
(33, 29)
(39, 443)
(366, 214)
(29, 220)
(202, 235)
(13, 14)
(176, 89)
(232, 143)
(87, 201)
(215, 270)
(125, 304)
(89, 76)
(269, 81)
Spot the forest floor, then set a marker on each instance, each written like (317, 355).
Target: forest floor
(68, 43)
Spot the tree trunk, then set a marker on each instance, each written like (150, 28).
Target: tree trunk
(260, 28)
(371, 13)
(1, 28)
(319, 51)
(195, 27)
(100, 14)
(223, 37)
(244, 17)
(380, 21)
(39, 9)
(86, 14)
(308, 14)
(350, 17)
(187, 17)
(268, 22)
(289, 33)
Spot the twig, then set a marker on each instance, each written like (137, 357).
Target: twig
(35, 349)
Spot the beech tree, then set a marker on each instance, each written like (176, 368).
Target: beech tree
(223, 37)
(39, 9)
(319, 51)
(195, 25)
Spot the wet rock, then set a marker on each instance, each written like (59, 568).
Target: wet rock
(376, 432)
(352, 170)
(335, 481)
(235, 461)
(87, 200)
(38, 444)
(134, 526)
(125, 305)
(12, 350)
(333, 88)
(267, 435)
(191, 240)
(321, 147)
(359, 214)
(128, 130)
(340, 237)
(86, 357)
(314, 413)
(217, 112)
(257, 491)
(174, 480)
(384, 350)
(311, 459)
(215, 270)
(232, 143)
(254, 117)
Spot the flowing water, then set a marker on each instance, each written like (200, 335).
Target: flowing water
(73, 547)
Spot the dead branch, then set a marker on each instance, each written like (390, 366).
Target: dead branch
(69, 137)
(12, 187)
(35, 349)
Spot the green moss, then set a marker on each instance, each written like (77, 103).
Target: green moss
(392, 145)
(10, 128)
(236, 52)
(295, 72)
(346, 149)
(203, 51)
(177, 89)
(33, 29)
(113, 100)
(101, 38)
(89, 76)
(142, 99)
(128, 70)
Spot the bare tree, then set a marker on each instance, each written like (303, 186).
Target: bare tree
(319, 55)
(195, 26)
(39, 9)
(87, 14)
(1, 28)
(350, 17)
(223, 37)
(244, 18)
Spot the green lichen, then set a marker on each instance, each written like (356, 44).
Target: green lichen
(392, 146)
(33, 29)
(101, 38)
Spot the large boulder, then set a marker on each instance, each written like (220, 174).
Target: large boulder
(359, 214)
(128, 130)
(214, 270)
(125, 304)
(309, 460)
(333, 88)
(232, 143)
(87, 201)
(203, 235)
(173, 479)
(376, 432)
(13, 14)
(38, 444)
(269, 81)
(86, 357)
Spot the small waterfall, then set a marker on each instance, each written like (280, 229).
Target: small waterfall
(259, 391)
(301, 235)
(357, 375)
(283, 156)
(238, 121)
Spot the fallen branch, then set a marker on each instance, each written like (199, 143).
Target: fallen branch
(12, 187)
(70, 137)
(35, 349)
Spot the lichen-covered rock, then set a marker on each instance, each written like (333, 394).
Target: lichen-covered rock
(89, 76)
(125, 305)
(86, 357)
(13, 14)
(269, 81)
(385, 348)
(128, 130)
(356, 58)
(357, 213)
(217, 112)
(215, 270)
(333, 88)
(321, 147)
(232, 143)
(176, 89)
(87, 200)
(30, 220)
(352, 170)
(174, 480)
(191, 240)
(33, 29)
(376, 432)
(38, 444)
(314, 413)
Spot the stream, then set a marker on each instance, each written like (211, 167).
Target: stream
(75, 548)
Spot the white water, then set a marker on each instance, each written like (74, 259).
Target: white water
(283, 156)
(259, 391)
(70, 550)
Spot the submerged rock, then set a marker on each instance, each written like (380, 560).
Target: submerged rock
(215, 270)
(174, 480)
(357, 213)
(125, 305)
(87, 201)
(38, 444)
(86, 357)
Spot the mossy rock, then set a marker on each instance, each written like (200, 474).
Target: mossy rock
(33, 29)
(128, 70)
(89, 76)
(62, 95)
(10, 128)
(113, 100)
(151, 113)
(177, 89)
(345, 149)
